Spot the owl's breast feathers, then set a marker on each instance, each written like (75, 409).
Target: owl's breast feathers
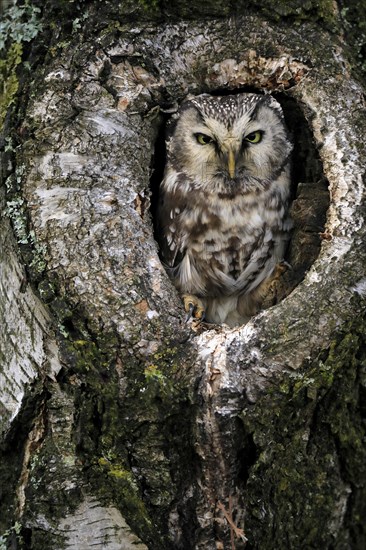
(221, 245)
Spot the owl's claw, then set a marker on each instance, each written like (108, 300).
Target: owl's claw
(194, 307)
(271, 287)
(280, 268)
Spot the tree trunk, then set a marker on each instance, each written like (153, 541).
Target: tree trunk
(122, 425)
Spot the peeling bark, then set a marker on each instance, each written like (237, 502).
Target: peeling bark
(122, 426)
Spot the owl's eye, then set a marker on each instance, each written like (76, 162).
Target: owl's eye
(254, 137)
(203, 139)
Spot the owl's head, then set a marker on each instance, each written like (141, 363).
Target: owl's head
(230, 141)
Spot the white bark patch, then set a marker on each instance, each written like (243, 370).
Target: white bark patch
(53, 203)
(24, 344)
(95, 526)
(59, 74)
(360, 287)
(104, 124)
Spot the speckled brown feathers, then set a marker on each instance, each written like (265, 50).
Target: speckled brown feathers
(223, 201)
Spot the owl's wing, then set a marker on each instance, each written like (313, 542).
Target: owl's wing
(171, 237)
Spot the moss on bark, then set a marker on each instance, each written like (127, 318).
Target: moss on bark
(10, 84)
(309, 436)
(145, 433)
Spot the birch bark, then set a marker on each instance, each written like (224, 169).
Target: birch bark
(122, 426)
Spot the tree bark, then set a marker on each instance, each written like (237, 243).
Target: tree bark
(122, 425)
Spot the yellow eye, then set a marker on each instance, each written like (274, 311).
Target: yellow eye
(203, 139)
(254, 137)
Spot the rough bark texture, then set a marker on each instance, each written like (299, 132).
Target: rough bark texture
(122, 427)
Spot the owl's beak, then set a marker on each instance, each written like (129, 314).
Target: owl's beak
(231, 163)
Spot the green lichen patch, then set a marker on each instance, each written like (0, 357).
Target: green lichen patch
(20, 23)
(32, 251)
(11, 535)
(9, 79)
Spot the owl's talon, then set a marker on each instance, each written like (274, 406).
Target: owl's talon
(271, 288)
(189, 316)
(282, 267)
(194, 308)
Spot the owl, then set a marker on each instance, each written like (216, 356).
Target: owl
(223, 203)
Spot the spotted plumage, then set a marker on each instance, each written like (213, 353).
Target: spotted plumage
(223, 201)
